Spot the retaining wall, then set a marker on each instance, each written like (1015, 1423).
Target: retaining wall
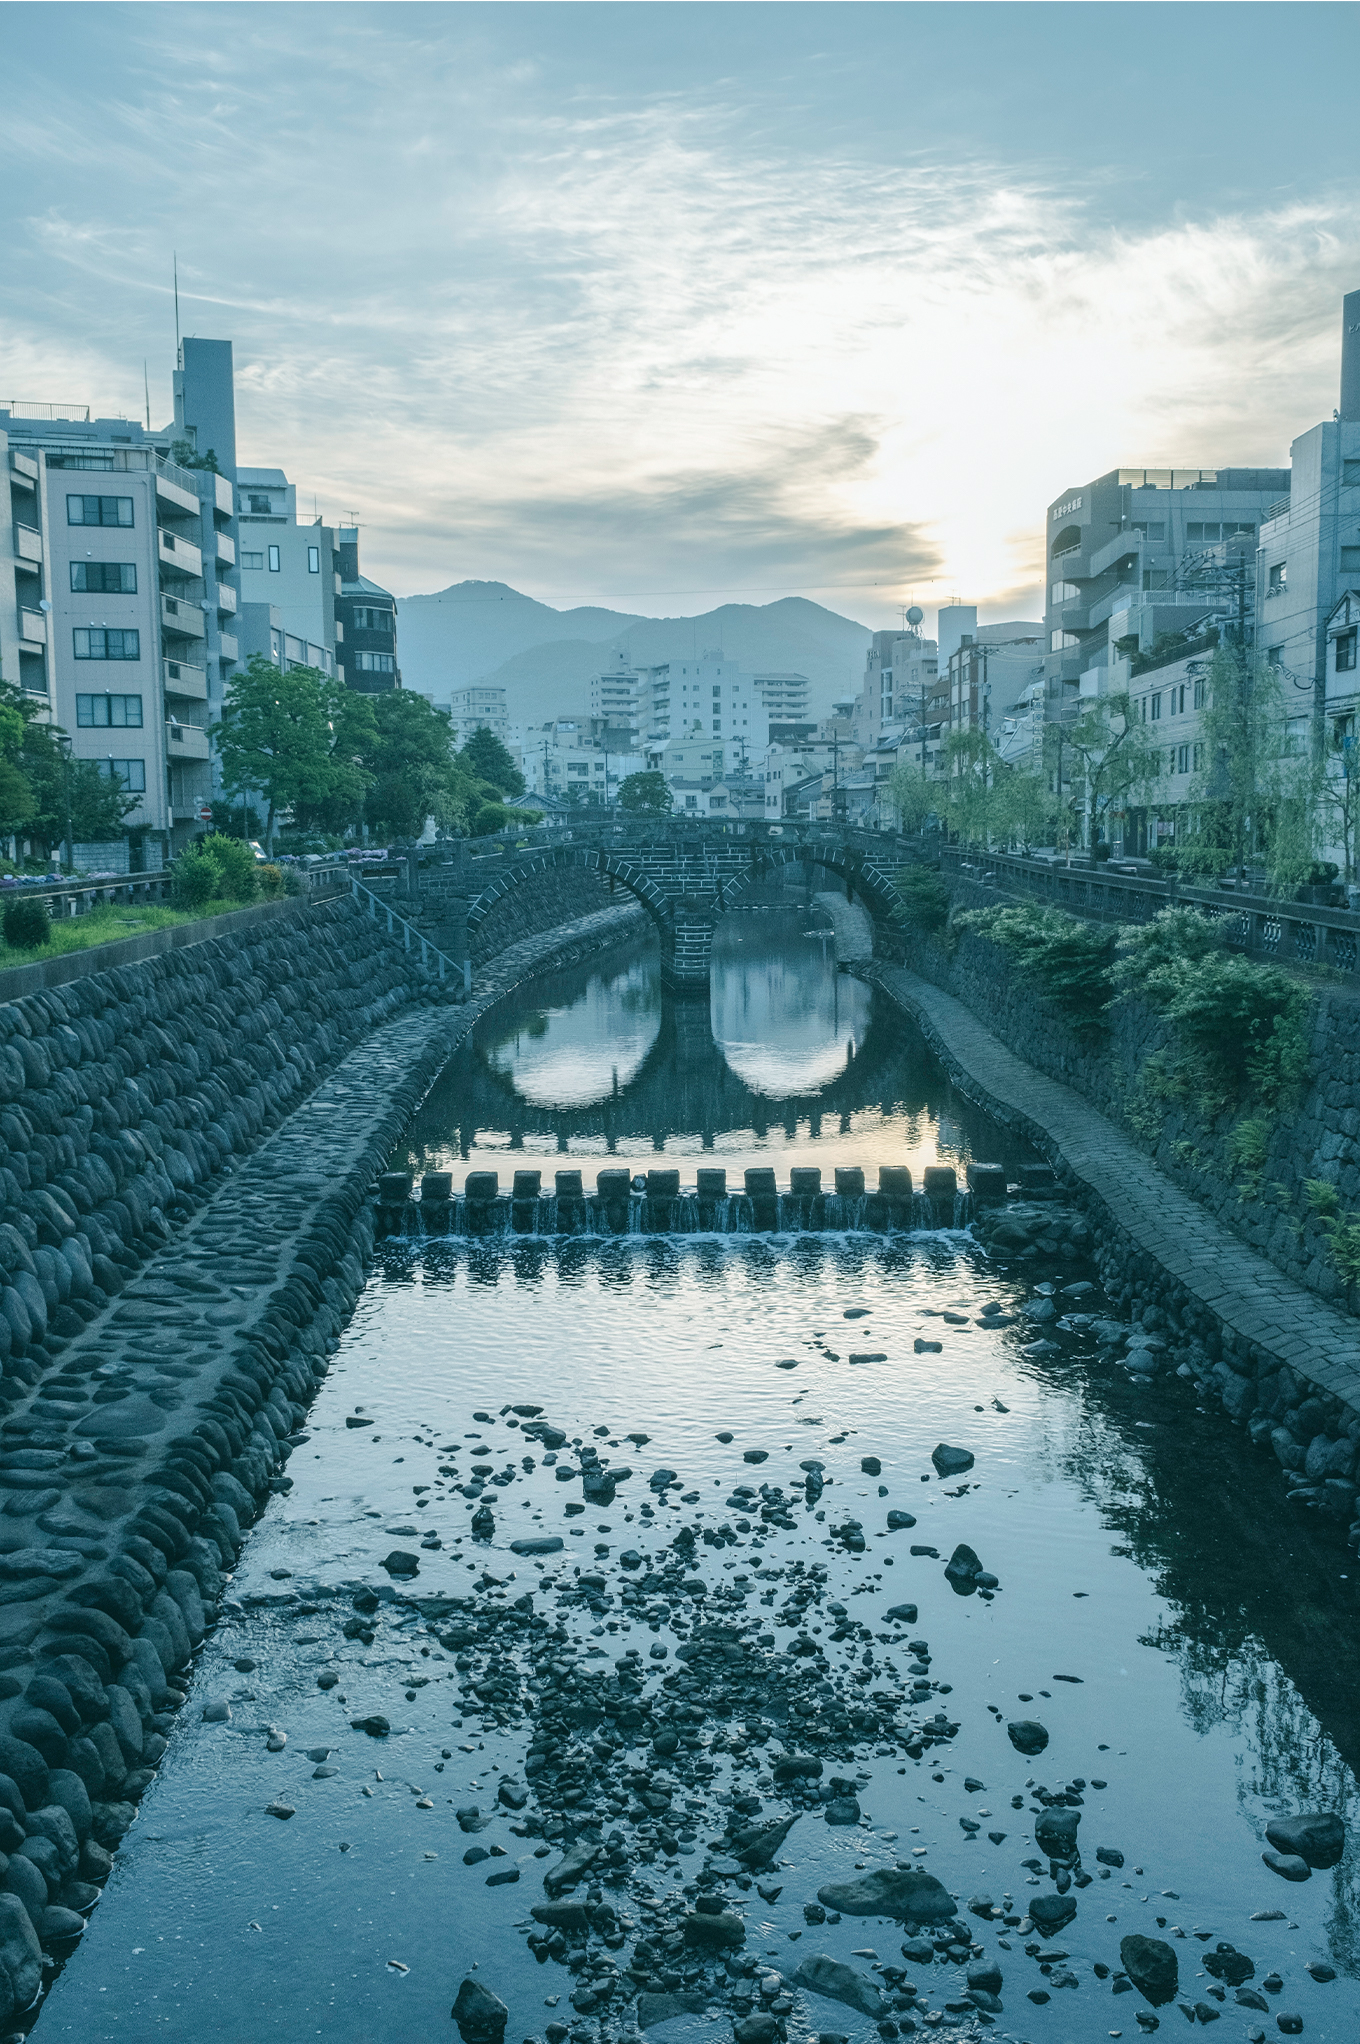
(545, 902)
(1317, 1136)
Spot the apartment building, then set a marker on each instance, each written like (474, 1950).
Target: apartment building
(24, 603)
(366, 623)
(564, 761)
(714, 700)
(1308, 564)
(900, 669)
(988, 674)
(786, 698)
(479, 707)
(135, 557)
(615, 699)
(290, 577)
(1153, 552)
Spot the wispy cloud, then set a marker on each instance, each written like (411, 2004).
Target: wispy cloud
(537, 326)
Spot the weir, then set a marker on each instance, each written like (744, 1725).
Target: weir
(659, 1205)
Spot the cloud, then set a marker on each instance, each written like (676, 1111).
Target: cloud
(531, 324)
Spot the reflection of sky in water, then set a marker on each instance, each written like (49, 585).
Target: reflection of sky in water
(587, 1049)
(788, 1061)
(785, 1020)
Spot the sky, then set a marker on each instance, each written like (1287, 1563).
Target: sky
(665, 306)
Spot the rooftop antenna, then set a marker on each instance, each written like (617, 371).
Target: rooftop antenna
(146, 386)
(177, 343)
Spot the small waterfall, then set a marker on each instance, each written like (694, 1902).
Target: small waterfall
(895, 1210)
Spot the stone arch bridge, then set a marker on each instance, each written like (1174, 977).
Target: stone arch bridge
(686, 875)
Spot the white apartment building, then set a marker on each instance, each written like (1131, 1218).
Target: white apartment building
(290, 576)
(562, 762)
(615, 697)
(715, 700)
(899, 674)
(129, 563)
(479, 707)
(785, 696)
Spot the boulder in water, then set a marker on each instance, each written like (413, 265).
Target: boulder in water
(1056, 1834)
(905, 1893)
(838, 1982)
(951, 1461)
(1050, 1913)
(1027, 1735)
(480, 2015)
(1151, 1965)
(1319, 1838)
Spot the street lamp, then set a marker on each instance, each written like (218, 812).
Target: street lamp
(64, 741)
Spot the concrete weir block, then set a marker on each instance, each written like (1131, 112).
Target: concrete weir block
(849, 1181)
(436, 1186)
(987, 1181)
(568, 1185)
(940, 1181)
(480, 1188)
(711, 1182)
(894, 1181)
(805, 1181)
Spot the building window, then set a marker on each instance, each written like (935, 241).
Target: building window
(252, 560)
(1350, 474)
(1201, 694)
(375, 663)
(1176, 707)
(102, 644)
(1345, 651)
(1350, 560)
(260, 505)
(106, 578)
(369, 619)
(99, 510)
(1278, 579)
(1197, 755)
(273, 560)
(1182, 759)
(1064, 592)
(1060, 640)
(1154, 578)
(313, 560)
(1153, 531)
(131, 772)
(1155, 709)
(118, 712)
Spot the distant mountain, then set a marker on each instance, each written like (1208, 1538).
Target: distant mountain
(460, 634)
(544, 658)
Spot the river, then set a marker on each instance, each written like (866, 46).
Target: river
(1188, 1649)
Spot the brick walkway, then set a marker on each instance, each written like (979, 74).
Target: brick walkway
(1246, 1292)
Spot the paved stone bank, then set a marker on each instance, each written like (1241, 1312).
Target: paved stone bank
(1280, 1360)
(148, 1411)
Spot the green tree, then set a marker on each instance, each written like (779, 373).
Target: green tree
(915, 794)
(1257, 794)
(18, 800)
(1112, 760)
(98, 802)
(645, 794)
(274, 738)
(415, 772)
(484, 758)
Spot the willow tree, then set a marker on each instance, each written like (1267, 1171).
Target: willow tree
(1255, 794)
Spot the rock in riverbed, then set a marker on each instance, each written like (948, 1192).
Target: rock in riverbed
(1027, 1735)
(821, 1975)
(481, 2017)
(904, 1893)
(1151, 1965)
(1320, 1838)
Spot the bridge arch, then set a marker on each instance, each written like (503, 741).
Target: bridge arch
(876, 889)
(612, 865)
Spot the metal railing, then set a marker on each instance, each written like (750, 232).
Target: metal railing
(412, 937)
(1287, 932)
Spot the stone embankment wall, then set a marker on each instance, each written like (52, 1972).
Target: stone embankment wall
(174, 1278)
(1317, 1136)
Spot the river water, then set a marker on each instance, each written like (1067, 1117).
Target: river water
(1189, 1648)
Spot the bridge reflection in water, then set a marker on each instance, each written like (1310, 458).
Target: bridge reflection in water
(783, 1054)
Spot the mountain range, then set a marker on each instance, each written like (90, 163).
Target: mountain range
(544, 658)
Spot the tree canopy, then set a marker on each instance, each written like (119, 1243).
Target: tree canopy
(645, 794)
(484, 758)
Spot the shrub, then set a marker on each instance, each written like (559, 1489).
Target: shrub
(270, 879)
(1242, 1021)
(1065, 960)
(493, 816)
(1146, 952)
(193, 880)
(27, 925)
(1249, 1143)
(236, 867)
(925, 899)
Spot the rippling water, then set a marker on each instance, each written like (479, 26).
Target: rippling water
(1140, 1545)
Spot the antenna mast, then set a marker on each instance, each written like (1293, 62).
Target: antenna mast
(146, 386)
(178, 363)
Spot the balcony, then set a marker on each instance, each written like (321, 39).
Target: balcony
(181, 679)
(222, 496)
(226, 599)
(184, 619)
(225, 549)
(186, 742)
(180, 556)
(23, 465)
(32, 628)
(175, 496)
(227, 646)
(28, 543)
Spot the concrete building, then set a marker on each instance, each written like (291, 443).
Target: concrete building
(479, 707)
(1157, 552)
(900, 668)
(714, 700)
(1309, 556)
(136, 558)
(565, 762)
(24, 602)
(988, 674)
(615, 700)
(366, 623)
(290, 576)
(785, 696)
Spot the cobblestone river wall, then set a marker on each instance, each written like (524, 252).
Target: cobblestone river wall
(187, 1149)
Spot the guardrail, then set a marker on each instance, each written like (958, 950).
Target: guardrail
(443, 964)
(1286, 932)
